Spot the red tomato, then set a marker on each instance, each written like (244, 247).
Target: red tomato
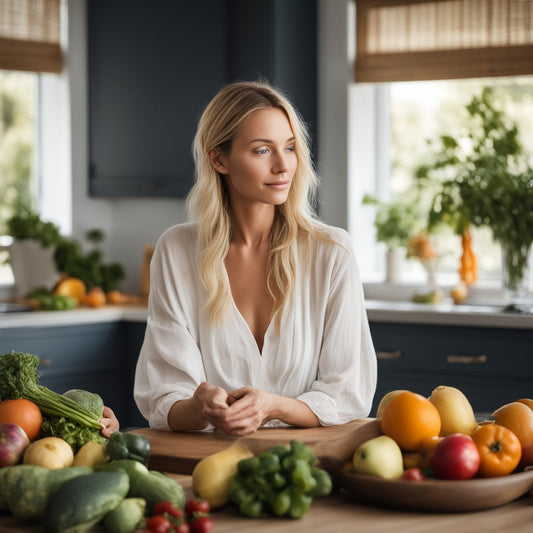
(182, 528)
(455, 457)
(159, 524)
(414, 474)
(167, 507)
(196, 506)
(202, 524)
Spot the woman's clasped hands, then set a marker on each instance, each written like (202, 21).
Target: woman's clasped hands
(238, 412)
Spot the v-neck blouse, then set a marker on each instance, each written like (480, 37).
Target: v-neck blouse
(322, 355)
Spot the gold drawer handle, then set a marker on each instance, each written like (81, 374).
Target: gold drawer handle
(44, 361)
(466, 359)
(395, 354)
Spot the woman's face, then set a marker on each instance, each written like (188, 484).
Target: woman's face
(262, 161)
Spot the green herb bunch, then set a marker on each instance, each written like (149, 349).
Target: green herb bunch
(482, 178)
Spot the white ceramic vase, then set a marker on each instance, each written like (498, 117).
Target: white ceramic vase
(33, 266)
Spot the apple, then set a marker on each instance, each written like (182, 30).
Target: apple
(380, 456)
(455, 457)
(13, 442)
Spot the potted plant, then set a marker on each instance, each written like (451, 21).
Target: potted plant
(395, 222)
(39, 254)
(483, 178)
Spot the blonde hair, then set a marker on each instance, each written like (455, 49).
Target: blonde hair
(208, 202)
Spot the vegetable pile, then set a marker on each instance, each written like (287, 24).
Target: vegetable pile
(281, 481)
(73, 416)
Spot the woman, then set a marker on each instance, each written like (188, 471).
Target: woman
(256, 314)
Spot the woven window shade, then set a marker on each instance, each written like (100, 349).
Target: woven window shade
(406, 40)
(29, 35)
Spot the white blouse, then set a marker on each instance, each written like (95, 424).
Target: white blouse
(323, 354)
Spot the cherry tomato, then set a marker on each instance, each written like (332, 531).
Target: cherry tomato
(182, 528)
(202, 524)
(159, 524)
(195, 505)
(414, 474)
(167, 507)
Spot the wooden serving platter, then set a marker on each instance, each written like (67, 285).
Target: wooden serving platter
(178, 452)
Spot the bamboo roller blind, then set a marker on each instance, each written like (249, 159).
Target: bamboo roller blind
(405, 40)
(30, 35)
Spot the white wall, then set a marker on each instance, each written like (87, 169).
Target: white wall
(130, 224)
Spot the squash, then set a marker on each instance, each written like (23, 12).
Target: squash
(70, 286)
(211, 477)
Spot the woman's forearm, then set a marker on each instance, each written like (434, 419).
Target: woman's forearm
(293, 412)
(185, 415)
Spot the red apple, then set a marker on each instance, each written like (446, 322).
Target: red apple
(13, 442)
(455, 457)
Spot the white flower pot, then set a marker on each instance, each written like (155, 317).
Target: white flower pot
(33, 266)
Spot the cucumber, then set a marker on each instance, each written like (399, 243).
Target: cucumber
(82, 502)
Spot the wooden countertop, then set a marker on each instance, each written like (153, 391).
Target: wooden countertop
(341, 512)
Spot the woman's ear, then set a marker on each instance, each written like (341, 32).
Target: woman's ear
(217, 161)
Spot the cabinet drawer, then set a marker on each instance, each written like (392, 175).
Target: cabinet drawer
(466, 351)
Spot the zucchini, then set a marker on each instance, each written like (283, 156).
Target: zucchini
(126, 517)
(82, 502)
(151, 485)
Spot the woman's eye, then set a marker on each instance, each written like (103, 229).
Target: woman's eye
(261, 151)
(291, 148)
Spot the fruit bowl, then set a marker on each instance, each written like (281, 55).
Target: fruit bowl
(433, 494)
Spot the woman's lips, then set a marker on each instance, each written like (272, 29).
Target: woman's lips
(278, 185)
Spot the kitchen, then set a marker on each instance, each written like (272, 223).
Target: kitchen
(131, 223)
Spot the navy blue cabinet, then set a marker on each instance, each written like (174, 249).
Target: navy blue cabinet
(492, 366)
(154, 66)
(96, 357)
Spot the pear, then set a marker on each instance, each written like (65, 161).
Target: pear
(380, 456)
(211, 477)
(456, 413)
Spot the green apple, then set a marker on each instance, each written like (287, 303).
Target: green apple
(380, 456)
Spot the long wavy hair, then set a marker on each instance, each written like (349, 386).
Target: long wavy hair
(208, 201)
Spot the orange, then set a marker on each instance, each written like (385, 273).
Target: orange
(95, 297)
(526, 401)
(408, 419)
(115, 297)
(427, 447)
(73, 287)
(518, 417)
(24, 413)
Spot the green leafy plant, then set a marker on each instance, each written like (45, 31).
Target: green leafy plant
(69, 256)
(396, 221)
(482, 178)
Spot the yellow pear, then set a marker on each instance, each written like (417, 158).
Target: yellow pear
(456, 413)
(211, 477)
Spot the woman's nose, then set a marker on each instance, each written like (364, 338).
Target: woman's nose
(280, 164)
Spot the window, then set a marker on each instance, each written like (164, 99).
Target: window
(18, 148)
(407, 115)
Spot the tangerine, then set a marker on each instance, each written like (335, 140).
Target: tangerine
(409, 418)
(24, 413)
(95, 297)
